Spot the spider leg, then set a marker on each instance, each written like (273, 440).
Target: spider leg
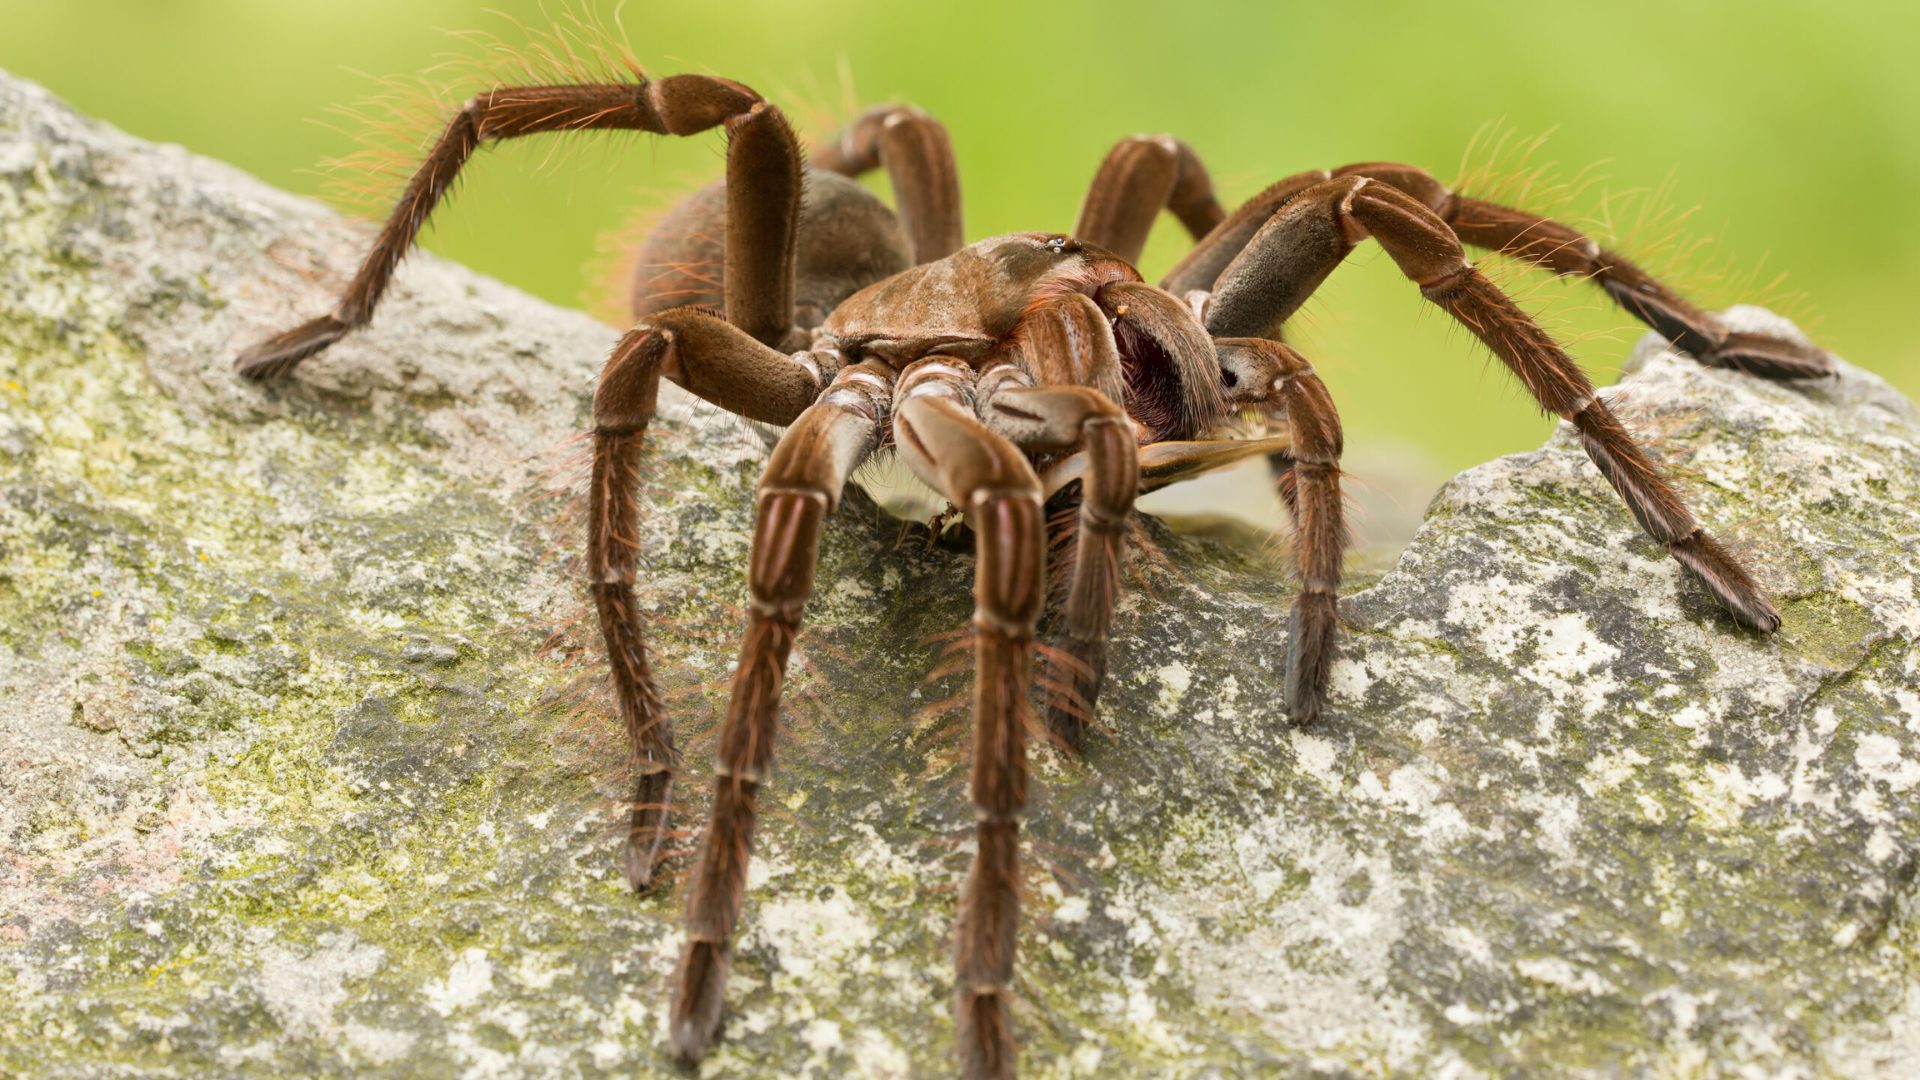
(918, 156)
(1072, 333)
(800, 487)
(1265, 372)
(763, 194)
(1312, 233)
(1539, 240)
(1202, 266)
(1140, 177)
(987, 476)
(720, 362)
(1566, 251)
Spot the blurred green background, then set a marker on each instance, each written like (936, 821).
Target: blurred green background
(1794, 128)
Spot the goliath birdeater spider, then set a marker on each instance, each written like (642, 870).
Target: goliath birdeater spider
(1007, 373)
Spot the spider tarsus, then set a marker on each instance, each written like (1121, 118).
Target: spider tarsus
(643, 858)
(1303, 707)
(987, 1048)
(1309, 655)
(1771, 358)
(647, 829)
(1070, 708)
(699, 991)
(280, 353)
(1713, 567)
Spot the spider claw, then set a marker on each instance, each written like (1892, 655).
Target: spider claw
(1770, 357)
(280, 353)
(1759, 615)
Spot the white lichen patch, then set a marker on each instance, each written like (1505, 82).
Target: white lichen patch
(302, 991)
(807, 933)
(1558, 973)
(1496, 612)
(466, 982)
(1880, 757)
(1567, 653)
(1311, 950)
(1317, 757)
(1174, 679)
(1609, 771)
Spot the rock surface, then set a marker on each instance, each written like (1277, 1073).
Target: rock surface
(292, 780)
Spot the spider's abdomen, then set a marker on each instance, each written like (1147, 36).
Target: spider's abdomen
(846, 239)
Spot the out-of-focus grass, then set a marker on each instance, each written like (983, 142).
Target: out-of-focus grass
(1795, 127)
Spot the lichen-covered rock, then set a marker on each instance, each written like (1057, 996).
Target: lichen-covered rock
(293, 781)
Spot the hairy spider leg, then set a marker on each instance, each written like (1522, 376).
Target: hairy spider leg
(763, 194)
(1066, 346)
(1537, 239)
(1138, 178)
(1566, 251)
(1267, 374)
(1313, 232)
(1202, 266)
(917, 154)
(721, 363)
(991, 480)
(800, 486)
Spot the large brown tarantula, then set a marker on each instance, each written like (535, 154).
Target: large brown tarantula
(1004, 373)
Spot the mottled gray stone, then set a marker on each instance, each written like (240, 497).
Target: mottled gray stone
(292, 779)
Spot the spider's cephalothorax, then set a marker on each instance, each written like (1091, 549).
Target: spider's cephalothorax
(1005, 373)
